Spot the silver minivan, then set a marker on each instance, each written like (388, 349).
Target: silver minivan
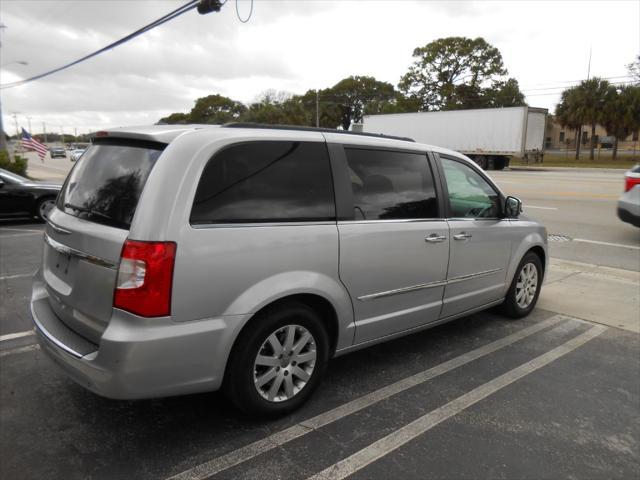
(190, 258)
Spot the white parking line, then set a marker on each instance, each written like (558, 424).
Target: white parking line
(17, 275)
(28, 348)
(399, 437)
(13, 336)
(608, 244)
(277, 439)
(540, 208)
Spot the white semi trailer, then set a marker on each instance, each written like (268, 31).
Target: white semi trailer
(489, 136)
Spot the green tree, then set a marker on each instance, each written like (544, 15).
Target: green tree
(584, 104)
(175, 118)
(621, 113)
(459, 72)
(570, 114)
(593, 94)
(216, 109)
(356, 95)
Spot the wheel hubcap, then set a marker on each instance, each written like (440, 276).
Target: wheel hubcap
(527, 285)
(45, 208)
(285, 363)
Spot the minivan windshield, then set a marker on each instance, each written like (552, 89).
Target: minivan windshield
(106, 183)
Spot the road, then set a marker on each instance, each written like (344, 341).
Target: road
(579, 204)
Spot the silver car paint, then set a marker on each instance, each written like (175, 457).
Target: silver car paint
(381, 278)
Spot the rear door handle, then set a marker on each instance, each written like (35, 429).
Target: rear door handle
(435, 238)
(462, 236)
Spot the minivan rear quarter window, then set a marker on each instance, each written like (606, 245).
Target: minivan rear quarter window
(106, 183)
(270, 181)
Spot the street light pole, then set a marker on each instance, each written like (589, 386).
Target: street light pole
(3, 139)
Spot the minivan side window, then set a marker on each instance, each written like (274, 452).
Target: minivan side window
(390, 185)
(470, 195)
(266, 181)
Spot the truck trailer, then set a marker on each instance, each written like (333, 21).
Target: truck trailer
(489, 136)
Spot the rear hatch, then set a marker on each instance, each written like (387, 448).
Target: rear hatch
(87, 229)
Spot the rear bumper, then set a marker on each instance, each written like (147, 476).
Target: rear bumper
(628, 217)
(138, 357)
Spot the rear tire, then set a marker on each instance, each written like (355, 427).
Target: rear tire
(262, 380)
(525, 288)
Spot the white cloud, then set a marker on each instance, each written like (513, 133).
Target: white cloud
(287, 45)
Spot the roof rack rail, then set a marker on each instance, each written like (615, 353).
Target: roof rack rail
(311, 129)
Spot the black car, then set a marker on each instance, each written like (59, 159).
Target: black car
(58, 152)
(21, 197)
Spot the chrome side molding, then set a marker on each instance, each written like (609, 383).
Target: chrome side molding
(439, 283)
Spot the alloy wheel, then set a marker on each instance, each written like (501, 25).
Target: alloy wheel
(527, 285)
(284, 363)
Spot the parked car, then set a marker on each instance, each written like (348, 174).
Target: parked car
(58, 152)
(629, 203)
(182, 259)
(21, 197)
(75, 154)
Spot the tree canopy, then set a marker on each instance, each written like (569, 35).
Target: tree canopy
(459, 72)
(216, 109)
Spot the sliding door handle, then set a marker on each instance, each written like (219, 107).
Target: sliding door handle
(435, 238)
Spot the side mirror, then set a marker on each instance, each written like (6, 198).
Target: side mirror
(512, 207)
(1, 183)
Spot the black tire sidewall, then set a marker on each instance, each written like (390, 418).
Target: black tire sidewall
(511, 305)
(239, 383)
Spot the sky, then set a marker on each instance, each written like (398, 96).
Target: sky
(287, 45)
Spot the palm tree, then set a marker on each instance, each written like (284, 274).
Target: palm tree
(583, 104)
(569, 113)
(621, 113)
(593, 95)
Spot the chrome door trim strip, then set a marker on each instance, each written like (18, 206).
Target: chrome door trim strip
(462, 278)
(373, 296)
(59, 247)
(439, 283)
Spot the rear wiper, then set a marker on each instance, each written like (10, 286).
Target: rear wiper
(94, 213)
(86, 210)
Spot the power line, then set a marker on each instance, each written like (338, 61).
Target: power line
(569, 86)
(191, 4)
(559, 92)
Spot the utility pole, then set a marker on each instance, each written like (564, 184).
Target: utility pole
(29, 123)
(62, 136)
(44, 132)
(15, 123)
(317, 108)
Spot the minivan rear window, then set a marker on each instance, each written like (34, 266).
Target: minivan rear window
(106, 183)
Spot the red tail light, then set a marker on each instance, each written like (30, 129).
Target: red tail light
(630, 182)
(145, 277)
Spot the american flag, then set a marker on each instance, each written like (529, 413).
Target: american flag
(31, 143)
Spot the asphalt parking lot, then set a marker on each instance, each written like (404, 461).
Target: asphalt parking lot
(546, 397)
(554, 395)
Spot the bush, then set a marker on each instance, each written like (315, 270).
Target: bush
(19, 164)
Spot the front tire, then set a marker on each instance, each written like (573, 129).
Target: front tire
(525, 288)
(277, 361)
